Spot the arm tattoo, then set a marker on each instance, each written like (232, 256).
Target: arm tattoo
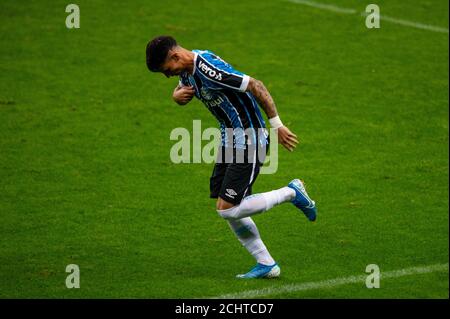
(263, 97)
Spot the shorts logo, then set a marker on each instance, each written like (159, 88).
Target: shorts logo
(230, 192)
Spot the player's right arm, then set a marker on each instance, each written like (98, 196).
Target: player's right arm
(265, 100)
(183, 94)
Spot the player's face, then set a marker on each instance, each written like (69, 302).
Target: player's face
(172, 66)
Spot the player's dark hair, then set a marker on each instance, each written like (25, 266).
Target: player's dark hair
(157, 50)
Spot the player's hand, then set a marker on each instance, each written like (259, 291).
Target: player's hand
(287, 138)
(182, 95)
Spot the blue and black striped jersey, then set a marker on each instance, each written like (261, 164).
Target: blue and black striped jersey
(223, 91)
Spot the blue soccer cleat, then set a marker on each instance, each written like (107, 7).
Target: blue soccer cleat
(302, 200)
(262, 271)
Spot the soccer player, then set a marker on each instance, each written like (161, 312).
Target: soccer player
(233, 98)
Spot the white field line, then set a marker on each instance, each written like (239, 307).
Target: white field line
(411, 24)
(328, 7)
(405, 23)
(333, 283)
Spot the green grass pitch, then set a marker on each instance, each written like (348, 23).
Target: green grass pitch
(86, 178)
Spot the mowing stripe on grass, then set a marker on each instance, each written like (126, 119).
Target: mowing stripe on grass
(333, 283)
(406, 23)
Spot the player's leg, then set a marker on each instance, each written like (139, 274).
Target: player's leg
(236, 183)
(255, 204)
(248, 235)
(294, 193)
(245, 229)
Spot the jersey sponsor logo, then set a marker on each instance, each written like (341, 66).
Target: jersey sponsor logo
(206, 69)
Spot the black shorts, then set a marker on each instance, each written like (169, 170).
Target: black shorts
(233, 181)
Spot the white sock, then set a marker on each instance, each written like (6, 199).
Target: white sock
(258, 203)
(246, 231)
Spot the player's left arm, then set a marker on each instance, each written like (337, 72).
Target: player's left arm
(265, 100)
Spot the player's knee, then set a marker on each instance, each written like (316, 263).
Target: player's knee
(229, 213)
(222, 204)
(226, 209)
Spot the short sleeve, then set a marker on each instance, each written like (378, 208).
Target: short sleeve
(219, 72)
